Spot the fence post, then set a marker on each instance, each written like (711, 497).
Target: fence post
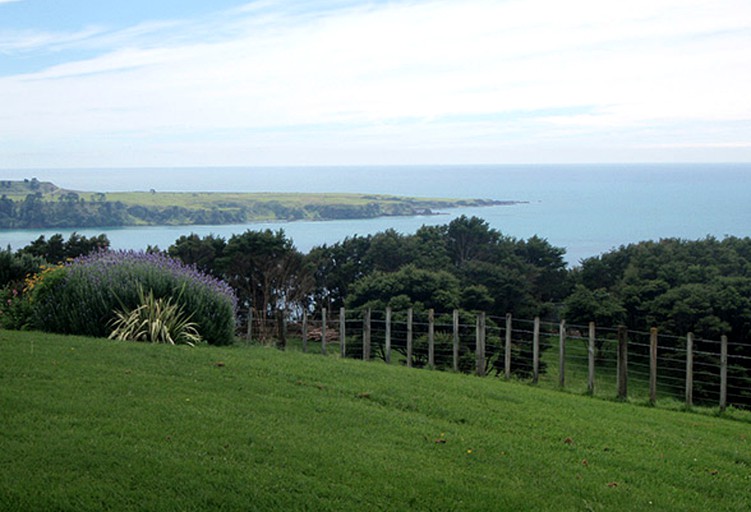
(366, 337)
(282, 327)
(250, 325)
(653, 365)
(562, 354)
(591, 360)
(507, 351)
(689, 370)
(305, 331)
(622, 365)
(431, 339)
(343, 332)
(536, 351)
(388, 336)
(456, 341)
(723, 373)
(323, 331)
(409, 337)
(480, 344)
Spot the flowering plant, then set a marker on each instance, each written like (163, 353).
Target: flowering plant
(85, 293)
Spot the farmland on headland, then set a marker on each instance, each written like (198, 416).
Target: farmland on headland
(36, 204)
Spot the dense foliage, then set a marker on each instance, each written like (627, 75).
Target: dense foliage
(57, 250)
(470, 265)
(81, 297)
(18, 268)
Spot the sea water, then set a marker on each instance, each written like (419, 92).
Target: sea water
(586, 209)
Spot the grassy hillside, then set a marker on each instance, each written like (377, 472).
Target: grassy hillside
(291, 200)
(96, 425)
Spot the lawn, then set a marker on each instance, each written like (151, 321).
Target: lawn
(91, 424)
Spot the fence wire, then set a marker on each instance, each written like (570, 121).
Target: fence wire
(529, 351)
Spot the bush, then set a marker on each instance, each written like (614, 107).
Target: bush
(83, 296)
(15, 310)
(14, 268)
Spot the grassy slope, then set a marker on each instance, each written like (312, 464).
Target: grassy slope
(96, 425)
(210, 199)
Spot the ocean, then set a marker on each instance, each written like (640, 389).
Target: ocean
(586, 209)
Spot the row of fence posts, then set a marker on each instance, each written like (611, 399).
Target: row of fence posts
(480, 340)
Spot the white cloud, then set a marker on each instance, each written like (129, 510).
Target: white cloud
(392, 75)
(26, 41)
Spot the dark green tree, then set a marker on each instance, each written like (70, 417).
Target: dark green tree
(204, 252)
(268, 274)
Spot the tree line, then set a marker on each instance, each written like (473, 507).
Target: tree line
(71, 210)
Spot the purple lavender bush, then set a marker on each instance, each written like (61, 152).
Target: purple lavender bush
(82, 296)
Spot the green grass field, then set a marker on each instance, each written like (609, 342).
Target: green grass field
(98, 425)
(291, 200)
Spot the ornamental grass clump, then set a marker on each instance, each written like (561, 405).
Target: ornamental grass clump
(83, 296)
(155, 320)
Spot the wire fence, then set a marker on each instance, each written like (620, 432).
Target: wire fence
(602, 361)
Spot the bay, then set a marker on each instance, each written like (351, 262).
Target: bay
(586, 209)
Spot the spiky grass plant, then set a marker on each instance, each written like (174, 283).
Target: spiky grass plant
(155, 320)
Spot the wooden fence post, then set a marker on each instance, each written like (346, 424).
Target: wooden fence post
(409, 337)
(653, 365)
(282, 328)
(343, 332)
(480, 344)
(723, 373)
(455, 352)
(536, 351)
(591, 360)
(250, 325)
(689, 370)
(388, 336)
(622, 365)
(366, 337)
(562, 354)
(431, 339)
(323, 331)
(507, 351)
(304, 331)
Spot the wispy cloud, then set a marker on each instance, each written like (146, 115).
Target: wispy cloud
(32, 41)
(451, 76)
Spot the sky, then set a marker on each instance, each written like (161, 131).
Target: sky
(170, 83)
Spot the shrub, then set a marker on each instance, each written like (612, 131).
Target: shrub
(14, 268)
(82, 296)
(15, 310)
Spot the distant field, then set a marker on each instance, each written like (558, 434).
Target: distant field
(304, 202)
(208, 199)
(96, 425)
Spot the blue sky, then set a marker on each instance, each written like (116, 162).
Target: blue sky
(340, 82)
